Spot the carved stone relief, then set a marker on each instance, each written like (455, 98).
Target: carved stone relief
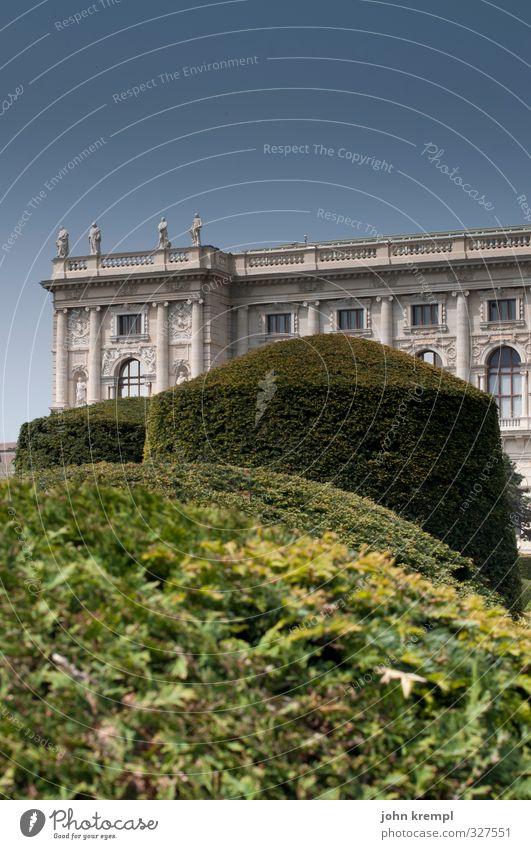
(77, 333)
(179, 321)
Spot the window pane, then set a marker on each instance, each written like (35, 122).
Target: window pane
(504, 310)
(517, 406)
(130, 325)
(505, 408)
(425, 314)
(505, 384)
(430, 357)
(350, 319)
(130, 381)
(279, 323)
(493, 384)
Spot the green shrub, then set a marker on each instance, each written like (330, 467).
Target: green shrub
(149, 655)
(110, 430)
(297, 503)
(365, 417)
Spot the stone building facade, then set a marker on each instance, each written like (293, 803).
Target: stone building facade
(138, 323)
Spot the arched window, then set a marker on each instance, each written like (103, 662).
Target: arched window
(505, 381)
(131, 381)
(430, 357)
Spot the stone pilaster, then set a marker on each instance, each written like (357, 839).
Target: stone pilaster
(314, 322)
(525, 393)
(94, 356)
(197, 355)
(61, 360)
(162, 347)
(462, 332)
(386, 320)
(242, 330)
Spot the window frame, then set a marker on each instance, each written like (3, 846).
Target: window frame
(494, 305)
(137, 317)
(131, 380)
(271, 319)
(345, 311)
(433, 308)
(420, 356)
(513, 371)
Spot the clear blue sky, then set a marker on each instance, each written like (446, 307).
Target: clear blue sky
(378, 81)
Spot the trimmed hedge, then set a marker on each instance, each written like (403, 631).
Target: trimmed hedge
(298, 504)
(162, 659)
(367, 418)
(110, 430)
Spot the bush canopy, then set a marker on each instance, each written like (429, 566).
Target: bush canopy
(149, 652)
(111, 430)
(368, 419)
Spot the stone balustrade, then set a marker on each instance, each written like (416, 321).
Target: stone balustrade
(402, 250)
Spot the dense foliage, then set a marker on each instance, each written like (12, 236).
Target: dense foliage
(299, 504)
(110, 430)
(365, 417)
(148, 654)
(518, 499)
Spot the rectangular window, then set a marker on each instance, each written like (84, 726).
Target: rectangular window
(279, 323)
(350, 319)
(502, 310)
(424, 314)
(130, 324)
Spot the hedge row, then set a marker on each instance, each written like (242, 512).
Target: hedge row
(111, 430)
(365, 417)
(301, 505)
(164, 659)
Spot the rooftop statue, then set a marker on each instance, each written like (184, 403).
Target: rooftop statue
(94, 238)
(62, 243)
(164, 242)
(195, 230)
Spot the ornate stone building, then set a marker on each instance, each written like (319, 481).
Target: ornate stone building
(137, 323)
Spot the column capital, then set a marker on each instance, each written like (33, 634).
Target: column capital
(464, 292)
